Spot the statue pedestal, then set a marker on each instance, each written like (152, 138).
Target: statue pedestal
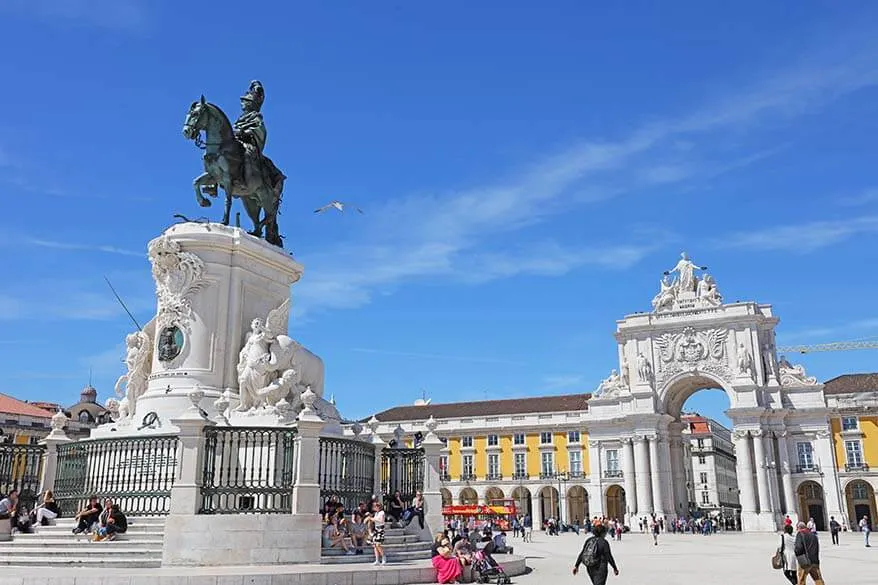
(211, 282)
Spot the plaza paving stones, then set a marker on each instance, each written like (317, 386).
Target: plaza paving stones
(722, 559)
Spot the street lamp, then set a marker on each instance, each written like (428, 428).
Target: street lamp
(561, 476)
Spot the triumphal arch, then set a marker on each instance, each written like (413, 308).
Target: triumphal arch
(693, 340)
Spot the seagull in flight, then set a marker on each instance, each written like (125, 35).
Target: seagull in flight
(335, 205)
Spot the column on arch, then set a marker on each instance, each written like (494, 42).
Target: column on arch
(744, 464)
(655, 471)
(642, 480)
(629, 475)
(789, 495)
(678, 473)
(762, 486)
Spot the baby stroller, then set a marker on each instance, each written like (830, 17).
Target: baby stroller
(487, 569)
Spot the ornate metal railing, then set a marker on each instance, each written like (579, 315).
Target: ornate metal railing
(613, 473)
(856, 467)
(137, 473)
(346, 470)
(21, 467)
(813, 468)
(248, 470)
(402, 470)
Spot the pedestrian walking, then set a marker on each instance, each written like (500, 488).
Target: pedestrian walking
(788, 550)
(834, 529)
(866, 529)
(528, 528)
(654, 528)
(596, 556)
(807, 549)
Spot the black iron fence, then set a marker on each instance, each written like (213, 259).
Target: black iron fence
(346, 470)
(135, 472)
(20, 469)
(248, 470)
(402, 470)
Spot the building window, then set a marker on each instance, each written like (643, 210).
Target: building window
(849, 423)
(703, 477)
(34, 440)
(518, 439)
(612, 459)
(493, 465)
(443, 463)
(493, 440)
(548, 463)
(572, 436)
(575, 462)
(700, 443)
(520, 466)
(466, 442)
(85, 417)
(467, 466)
(702, 459)
(854, 453)
(705, 497)
(545, 438)
(859, 491)
(806, 455)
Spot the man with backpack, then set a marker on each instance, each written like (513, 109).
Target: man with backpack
(596, 556)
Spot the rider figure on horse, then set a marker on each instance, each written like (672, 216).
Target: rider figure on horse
(251, 133)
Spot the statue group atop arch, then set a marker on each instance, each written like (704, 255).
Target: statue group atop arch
(686, 290)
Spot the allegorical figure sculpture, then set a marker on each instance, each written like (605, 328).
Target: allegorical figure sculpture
(685, 268)
(234, 161)
(745, 361)
(138, 362)
(611, 386)
(273, 367)
(644, 368)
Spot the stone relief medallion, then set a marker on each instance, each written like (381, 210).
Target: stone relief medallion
(691, 350)
(170, 344)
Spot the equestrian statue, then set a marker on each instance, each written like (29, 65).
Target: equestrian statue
(234, 161)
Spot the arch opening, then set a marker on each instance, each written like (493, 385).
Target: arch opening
(616, 505)
(860, 498)
(811, 504)
(493, 493)
(523, 501)
(577, 505)
(468, 497)
(447, 498)
(550, 504)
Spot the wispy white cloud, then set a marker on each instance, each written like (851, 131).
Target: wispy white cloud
(437, 356)
(74, 246)
(847, 331)
(801, 238)
(450, 235)
(112, 14)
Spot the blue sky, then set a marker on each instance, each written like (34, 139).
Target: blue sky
(527, 172)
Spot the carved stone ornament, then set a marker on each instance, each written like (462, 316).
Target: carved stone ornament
(612, 386)
(686, 291)
(594, 444)
(626, 440)
(59, 421)
(794, 375)
(431, 425)
(170, 344)
(691, 350)
(757, 433)
(138, 361)
(638, 439)
(738, 435)
(822, 434)
(178, 276)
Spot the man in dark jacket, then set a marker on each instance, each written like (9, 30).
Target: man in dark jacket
(599, 571)
(807, 549)
(834, 529)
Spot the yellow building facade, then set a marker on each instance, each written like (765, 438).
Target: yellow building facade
(853, 403)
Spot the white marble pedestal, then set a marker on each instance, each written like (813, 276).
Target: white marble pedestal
(211, 282)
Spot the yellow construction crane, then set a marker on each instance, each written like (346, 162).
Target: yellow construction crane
(834, 346)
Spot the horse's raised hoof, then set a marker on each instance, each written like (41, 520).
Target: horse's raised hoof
(204, 202)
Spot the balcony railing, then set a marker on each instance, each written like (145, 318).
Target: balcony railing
(547, 475)
(612, 473)
(494, 476)
(467, 477)
(520, 475)
(576, 475)
(812, 468)
(444, 477)
(856, 467)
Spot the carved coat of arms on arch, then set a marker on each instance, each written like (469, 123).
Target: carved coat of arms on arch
(691, 350)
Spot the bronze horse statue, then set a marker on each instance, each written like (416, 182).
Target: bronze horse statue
(226, 167)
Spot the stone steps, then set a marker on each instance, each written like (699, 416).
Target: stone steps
(367, 557)
(398, 547)
(56, 546)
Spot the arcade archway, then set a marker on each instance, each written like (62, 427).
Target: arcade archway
(577, 505)
(468, 497)
(550, 504)
(860, 497)
(493, 493)
(523, 502)
(447, 498)
(812, 504)
(616, 507)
